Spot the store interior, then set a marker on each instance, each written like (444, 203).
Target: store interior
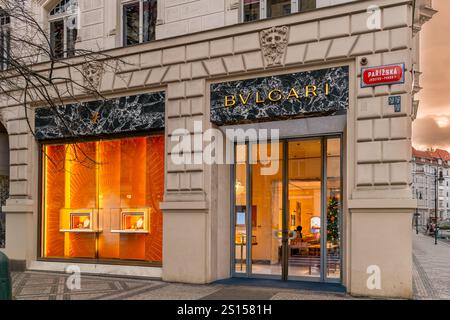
(303, 215)
(101, 199)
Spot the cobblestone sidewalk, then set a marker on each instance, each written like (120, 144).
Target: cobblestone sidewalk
(431, 280)
(431, 271)
(51, 286)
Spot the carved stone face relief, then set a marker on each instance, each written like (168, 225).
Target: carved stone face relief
(92, 72)
(274, 43)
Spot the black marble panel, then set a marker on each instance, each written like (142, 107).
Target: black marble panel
(126, 114)
(331, 97)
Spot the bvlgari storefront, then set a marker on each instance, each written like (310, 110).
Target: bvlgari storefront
(287, 190)
(102, 176)
(318, 109)
(102, 180)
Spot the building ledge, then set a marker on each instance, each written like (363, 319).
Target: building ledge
(382, 204)
(184, 206)
(19, 206)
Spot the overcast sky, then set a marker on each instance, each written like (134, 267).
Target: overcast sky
(432, 127)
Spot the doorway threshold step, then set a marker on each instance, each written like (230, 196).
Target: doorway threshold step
(297, 285)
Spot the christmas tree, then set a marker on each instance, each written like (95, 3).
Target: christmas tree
(333, 220)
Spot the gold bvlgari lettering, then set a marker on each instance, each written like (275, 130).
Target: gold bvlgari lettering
(258, 98)
(311, 89)
(243, 99)
(279, 95)
(230, 101)
(293, 94)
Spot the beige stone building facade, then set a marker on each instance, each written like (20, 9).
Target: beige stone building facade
(358, 188)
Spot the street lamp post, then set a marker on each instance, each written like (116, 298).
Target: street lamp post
(439, 177)
(417, 221)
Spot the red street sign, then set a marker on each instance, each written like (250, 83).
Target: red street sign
(383, 75)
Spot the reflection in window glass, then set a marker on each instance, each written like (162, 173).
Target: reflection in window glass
(57, 38)
(5, 40)
(240, 208)
(278, 8)
(131, 23)
(267, 208)
(305, 5)
(251, 10)
(72, 33)
(334, 193)
(101, 199)
(149, 18)
(305, 207)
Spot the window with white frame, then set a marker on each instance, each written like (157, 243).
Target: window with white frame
(63, 20)
(5, 39)
(261, 9)
(139, 21)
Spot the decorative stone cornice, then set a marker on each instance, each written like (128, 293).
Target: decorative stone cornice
(424, 12)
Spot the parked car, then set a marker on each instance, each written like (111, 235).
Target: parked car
(444, 229)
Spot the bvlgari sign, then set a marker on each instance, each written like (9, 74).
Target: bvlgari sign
(303, 94)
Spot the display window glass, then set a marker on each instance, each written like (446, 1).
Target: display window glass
(101, 199)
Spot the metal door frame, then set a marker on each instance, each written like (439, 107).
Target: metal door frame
(284, 142)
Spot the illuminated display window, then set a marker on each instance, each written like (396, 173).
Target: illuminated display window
(101, 199)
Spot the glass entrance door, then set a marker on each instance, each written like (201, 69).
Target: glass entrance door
(304, 210)
(288, 197)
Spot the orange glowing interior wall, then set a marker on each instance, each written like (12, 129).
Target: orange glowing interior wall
(125, 174)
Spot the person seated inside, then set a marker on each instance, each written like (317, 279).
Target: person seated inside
(299, 232)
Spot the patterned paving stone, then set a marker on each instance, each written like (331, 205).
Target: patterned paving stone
(431, 271)
(241, 293)
(309, 296)
(431, 280)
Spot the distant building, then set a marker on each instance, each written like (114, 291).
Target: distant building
(424, 165)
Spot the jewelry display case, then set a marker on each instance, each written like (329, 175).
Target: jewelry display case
(134, 221)
(79, 221)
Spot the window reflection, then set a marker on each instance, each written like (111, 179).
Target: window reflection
(305, 208)
(131, 23)
(305, 5)
(240, 208)
(278, 8)
(334, 198)
(139, 22)
(5, 39)
(57, 38)
(149, 12)
(251, 10)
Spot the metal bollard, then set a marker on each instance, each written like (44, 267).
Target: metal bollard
(5, 278)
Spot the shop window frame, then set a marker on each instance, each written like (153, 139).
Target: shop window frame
(263, 9)
(41, 203)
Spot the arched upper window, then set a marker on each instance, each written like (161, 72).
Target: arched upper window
(63, 19)
(64, 6)
(5, 39)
